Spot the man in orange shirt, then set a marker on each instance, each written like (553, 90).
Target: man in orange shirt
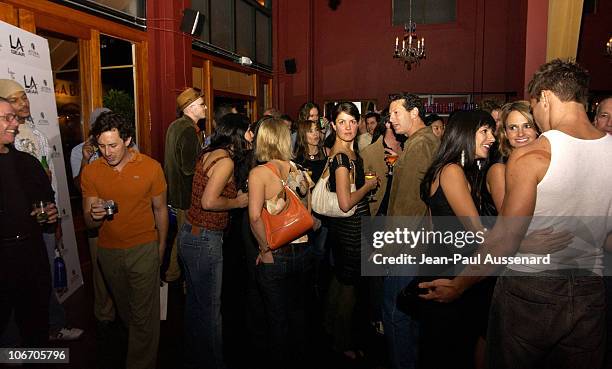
(124, 194)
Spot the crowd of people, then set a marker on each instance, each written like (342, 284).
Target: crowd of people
(542, 157)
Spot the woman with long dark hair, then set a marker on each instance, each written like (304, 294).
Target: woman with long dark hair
(451, 189)
(346, 168)
(214, 193)
(308, 150)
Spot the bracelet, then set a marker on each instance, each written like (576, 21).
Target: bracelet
(261, 252)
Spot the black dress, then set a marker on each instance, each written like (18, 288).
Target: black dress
(345, 233)
(455, 326)
(314, 165)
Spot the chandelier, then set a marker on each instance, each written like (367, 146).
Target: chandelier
(413, 48)
(609, 48)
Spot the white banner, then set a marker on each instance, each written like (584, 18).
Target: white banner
(25, 58)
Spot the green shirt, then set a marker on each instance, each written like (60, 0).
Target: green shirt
(181, 153)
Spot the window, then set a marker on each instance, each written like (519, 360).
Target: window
(117, 68)
(237, 28)
(424, 11)
(129, 11)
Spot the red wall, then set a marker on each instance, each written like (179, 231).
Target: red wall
(481, 52)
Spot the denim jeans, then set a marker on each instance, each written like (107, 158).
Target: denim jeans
(201, 253)
(401, 330)
(554, 319)
(285, 287)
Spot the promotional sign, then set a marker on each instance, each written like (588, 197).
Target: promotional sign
(25, 58)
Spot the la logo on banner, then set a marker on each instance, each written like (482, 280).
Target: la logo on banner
(16, 47)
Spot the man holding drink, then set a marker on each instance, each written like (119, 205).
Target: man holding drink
(132, 231)
(24, 269)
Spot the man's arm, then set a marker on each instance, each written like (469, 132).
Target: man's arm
(523, 172)
(416, 161)
(160, 212)
(188, 146)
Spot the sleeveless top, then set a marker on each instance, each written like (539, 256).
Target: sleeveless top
(342, 160)
(211, 220)
(296, 180)
(314, 166)
(575, 196)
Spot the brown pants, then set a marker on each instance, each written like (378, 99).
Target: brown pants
(133, 278)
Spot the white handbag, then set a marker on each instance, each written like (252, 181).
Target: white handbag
(325, 202)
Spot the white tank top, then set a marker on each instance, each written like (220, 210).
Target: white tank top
(575, 195)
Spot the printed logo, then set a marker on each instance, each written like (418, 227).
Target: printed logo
(30, 87)
(0, 47)
(32, 51)
(16, 46)
(43, 122)
(45, 87)
(42, 115)
(11, 73)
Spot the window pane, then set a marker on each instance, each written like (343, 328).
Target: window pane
(424, 11)
(264, 37)
(222, 24)
(118, 91)
(136, 8)
(118, 76)
(245, 17)
(114, 51)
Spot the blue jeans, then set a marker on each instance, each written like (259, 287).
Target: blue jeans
(285, 287)
(554, 319)
(202, 256)
(401, 330)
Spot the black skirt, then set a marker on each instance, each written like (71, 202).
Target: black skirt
(345, 240)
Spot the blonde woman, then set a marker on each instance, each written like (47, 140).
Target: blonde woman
(518, 130)
(284, 274)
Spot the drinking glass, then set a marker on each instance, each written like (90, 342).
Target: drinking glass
(370, 174)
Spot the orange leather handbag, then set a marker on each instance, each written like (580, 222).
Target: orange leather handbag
(290, 223)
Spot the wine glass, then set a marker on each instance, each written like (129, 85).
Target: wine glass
(370, 174)
(390, 160)
(41, 213)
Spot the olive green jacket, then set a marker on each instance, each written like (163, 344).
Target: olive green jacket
(181, 153)
(410, 168)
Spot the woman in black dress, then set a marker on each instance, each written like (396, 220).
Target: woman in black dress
(346, 168)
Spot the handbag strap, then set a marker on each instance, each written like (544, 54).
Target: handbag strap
(352, 169)
(275, 170)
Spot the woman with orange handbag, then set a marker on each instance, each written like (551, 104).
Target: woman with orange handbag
(283, 271)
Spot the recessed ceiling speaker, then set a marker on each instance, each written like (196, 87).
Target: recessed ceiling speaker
(290, 67)
(193, 22)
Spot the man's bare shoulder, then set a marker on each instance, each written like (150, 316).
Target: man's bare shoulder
(531, 159)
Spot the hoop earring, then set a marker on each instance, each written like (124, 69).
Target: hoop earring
(463, 158)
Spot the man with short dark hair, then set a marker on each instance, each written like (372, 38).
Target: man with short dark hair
(181, 153)
(406, 116)
(124, 194)
(24, 267)
(552, 315)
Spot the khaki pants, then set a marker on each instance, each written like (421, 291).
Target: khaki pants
(104, 310)
(174, 270)
(133, 278)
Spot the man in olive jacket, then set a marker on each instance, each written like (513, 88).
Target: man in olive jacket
(407, 115)
(181, 153)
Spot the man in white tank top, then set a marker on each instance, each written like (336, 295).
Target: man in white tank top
(550, 315)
